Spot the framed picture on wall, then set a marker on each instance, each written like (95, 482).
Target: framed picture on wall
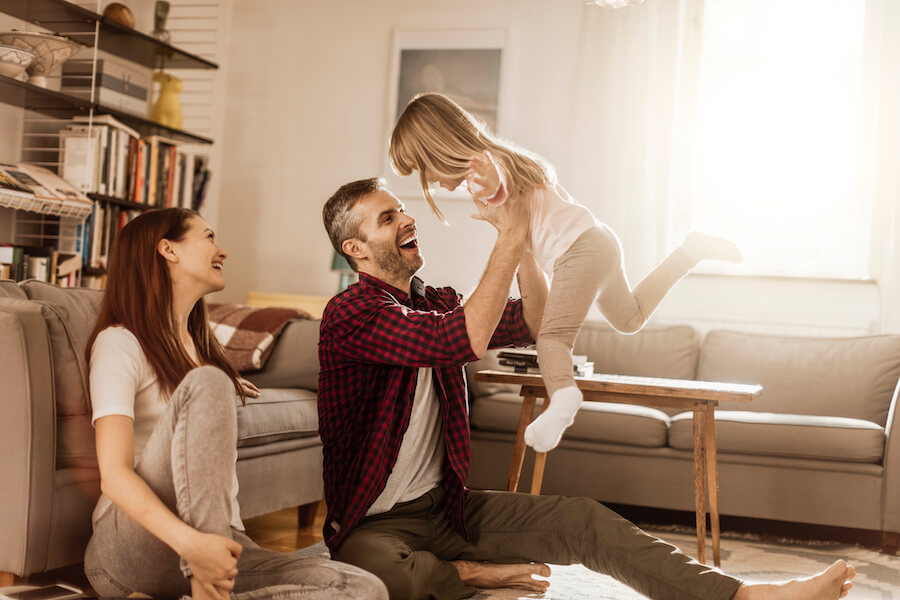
(466, 65)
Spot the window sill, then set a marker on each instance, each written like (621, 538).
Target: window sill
(712, 273)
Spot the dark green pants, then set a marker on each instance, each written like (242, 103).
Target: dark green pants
(410, 546)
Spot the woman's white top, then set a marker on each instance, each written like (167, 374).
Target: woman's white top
(124, 383)
(557, 220)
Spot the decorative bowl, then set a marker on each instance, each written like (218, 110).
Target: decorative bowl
(50, 51)
(13, 60)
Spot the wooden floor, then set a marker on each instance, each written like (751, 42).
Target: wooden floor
(279, 531)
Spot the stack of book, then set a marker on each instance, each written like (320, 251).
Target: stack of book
(524, 360)
(117, 83)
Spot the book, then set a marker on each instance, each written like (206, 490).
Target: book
(528, 356)
(78, 156)
(107, 120)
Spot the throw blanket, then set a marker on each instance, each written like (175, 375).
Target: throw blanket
(248, 334)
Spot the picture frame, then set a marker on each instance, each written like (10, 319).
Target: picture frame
(466, 65)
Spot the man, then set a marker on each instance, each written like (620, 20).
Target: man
(394, 425)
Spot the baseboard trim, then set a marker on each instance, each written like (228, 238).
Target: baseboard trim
(767, 529)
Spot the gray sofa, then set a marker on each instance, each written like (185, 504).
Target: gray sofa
(821, 445)
(49, 467)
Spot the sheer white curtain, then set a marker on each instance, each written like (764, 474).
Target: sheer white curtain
(762, 120)
(636, 72)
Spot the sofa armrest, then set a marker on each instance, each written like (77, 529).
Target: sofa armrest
(890, 504)
(294, 362)
(27, 438)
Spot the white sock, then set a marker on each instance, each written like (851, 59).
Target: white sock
(701, 246)
(545, 432)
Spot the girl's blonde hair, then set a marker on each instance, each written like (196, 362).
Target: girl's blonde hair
(437, 137)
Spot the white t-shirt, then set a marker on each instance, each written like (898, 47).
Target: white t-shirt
(557, 220)
(124, 383)
(419, 465)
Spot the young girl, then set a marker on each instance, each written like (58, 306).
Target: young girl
(447, 146)
(163, 397)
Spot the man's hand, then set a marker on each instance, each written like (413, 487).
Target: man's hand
(511, 217)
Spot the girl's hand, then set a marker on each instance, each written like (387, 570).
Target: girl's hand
(249, 389)
(485, 180)
(213, 562)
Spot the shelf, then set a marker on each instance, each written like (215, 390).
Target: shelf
(59, 104)
(120, 202)
(93, 271)
(78, 24)
(75, 209)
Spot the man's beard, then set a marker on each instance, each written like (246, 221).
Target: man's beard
(394, 264)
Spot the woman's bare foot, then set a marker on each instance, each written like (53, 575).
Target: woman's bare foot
(491, 575)
(832, 583)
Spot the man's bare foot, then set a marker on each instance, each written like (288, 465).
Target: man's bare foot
(492, 575)
(832, 583)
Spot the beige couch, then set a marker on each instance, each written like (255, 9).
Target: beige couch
(821, 445)
(48, 466)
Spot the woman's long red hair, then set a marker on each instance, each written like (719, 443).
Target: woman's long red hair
(139, 297)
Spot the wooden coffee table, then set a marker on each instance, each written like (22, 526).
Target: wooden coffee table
(699, 397)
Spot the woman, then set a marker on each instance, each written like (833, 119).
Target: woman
(163, 397)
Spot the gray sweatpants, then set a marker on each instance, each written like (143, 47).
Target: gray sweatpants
(592, 269)
(189, 463)
(410, 546)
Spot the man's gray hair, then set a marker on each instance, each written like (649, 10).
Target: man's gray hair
(339, 223)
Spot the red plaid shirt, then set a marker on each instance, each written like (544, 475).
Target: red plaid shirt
(372, 341)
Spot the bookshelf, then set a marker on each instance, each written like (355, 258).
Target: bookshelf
(92, 30)
(79, 23)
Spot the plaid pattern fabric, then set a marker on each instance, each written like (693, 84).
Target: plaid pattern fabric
(372, 341)
(248, 334)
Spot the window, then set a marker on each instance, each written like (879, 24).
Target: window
(781, 131)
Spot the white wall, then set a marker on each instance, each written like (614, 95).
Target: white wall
(307, 88)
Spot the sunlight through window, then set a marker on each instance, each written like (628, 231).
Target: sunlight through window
(778, 143)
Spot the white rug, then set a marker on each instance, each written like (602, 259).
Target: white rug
(878, 575)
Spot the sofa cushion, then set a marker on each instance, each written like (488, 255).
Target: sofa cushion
(294, 362)
(596, 421)
(838, 377)
(11, 289)
(278, 414)
(794, 436)
(70, 314)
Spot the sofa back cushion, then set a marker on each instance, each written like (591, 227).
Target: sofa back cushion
(11, 289)
(669, 352)
(834, 377)
(70, 314)
(294, 362)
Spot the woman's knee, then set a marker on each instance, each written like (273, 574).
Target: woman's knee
(209, 391)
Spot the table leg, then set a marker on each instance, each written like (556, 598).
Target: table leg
(537, 474)
(515, 465)
(700, 483)
(712, 479)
